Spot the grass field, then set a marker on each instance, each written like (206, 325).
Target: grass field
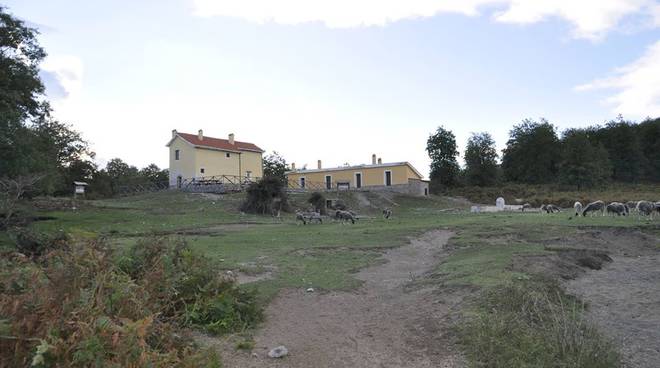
(325, 256)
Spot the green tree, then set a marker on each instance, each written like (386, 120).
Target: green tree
(275, 166)
(481, 160)
(532, 153)
(20, 86)
(441, 148)
(649, 138)
(152, 173)
(32, 142)
(620, 139)
(583, 164)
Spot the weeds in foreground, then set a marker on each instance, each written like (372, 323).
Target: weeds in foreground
(78, 306)
(534, 323)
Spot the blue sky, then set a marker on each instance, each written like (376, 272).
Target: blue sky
(340, 80)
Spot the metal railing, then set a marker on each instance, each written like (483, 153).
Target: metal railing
(216, 183)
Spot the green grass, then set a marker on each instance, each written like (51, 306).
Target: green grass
(323, 256)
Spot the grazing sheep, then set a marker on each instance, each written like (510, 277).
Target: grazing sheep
(550, 208)
(525, 206)
(387, 213)
(617, 208)
(593, 207)
(306, 217)
(578, 208)
(542, 208)
(632, 205)
(345, 216)
(645, 208)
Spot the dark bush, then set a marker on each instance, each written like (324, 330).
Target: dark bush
(317, 200)
(267, 196)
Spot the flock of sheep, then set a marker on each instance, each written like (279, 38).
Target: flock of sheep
(642, 208)
(340, 215)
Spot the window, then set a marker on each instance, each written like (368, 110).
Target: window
(302, 182)
(176, 154)
(358, 180)
(179, 180)
(328, 182)
(388, 178)
(248, 174)
(228, 155)
(426, 191)
(201, 171)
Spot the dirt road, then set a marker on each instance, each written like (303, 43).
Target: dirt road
(382, 324)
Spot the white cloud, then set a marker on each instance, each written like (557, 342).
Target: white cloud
(65, 74)
(638, 86)
(590, 18)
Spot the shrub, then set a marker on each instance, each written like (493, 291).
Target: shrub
(317, 200)
(81, 305)
(534, 324)
(267, 196)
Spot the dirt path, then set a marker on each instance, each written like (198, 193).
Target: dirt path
(383, 324)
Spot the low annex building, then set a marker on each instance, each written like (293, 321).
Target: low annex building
(395, 176)
(198, 156)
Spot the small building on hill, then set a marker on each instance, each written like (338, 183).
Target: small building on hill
(394, 176)
(198, 156)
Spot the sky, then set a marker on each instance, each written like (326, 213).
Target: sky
(338, 80)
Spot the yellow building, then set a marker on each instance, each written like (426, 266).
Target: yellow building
(395, 176)
(197, 156)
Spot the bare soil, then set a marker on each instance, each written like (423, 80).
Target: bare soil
(382, 324)
(623, 296)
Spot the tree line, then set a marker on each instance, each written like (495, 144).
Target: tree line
(35, 147)
(536, 153)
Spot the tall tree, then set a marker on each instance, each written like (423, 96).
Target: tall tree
(152, 173)
(620, 139)
(532, 153)
(649, 136)
(275, 166)
(481, 160)
(20, 55)
(583, 164)
(441, 148)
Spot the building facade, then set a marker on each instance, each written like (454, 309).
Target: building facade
(197, 156)
(394, 176)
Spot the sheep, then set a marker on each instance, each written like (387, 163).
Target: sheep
(525, 206)
(617, 208)
(578, 208)
(387, 213)
(550, 208)
(306, 217)
(345, 216)
(645, 208)
(632, 205)
(593, 207)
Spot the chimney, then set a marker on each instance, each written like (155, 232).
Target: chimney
(293, 166)
(380, 161)
(231, 138)
(200, 135)
(373, 159)
(319, 164)
(174, 133)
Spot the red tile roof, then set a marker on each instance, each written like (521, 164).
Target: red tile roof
(221, 144)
